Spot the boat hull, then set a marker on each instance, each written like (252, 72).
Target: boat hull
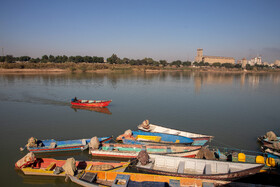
(160, 129)
(226, 177)
(131, 150)
(197, 168)
(64, 146)
(43, 170)
(96, 104)
(161, 138)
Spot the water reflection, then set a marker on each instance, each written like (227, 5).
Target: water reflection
(103, 110)
(115, 79)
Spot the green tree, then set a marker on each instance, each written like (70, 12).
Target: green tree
(163, 63)
(176, 63)
(187, 63)
(9, 59)
(45, 59)
(51, 58)
(24, 58)
(216, 64)
(2, 58)
(125, 61)
(35, 60)
(114, 59)
(228, 65)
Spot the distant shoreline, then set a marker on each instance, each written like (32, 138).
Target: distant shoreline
(108, 68)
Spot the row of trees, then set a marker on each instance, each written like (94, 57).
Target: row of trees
(114, 59)
(54, 59)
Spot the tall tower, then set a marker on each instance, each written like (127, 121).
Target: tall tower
(199, 55)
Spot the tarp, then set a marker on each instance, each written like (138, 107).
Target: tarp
(143, 157)
(205, 153)
(70, 166)
(145, 124)
(94, 143)
(271, 136)
(26, 160)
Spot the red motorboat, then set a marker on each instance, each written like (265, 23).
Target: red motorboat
(90, 103)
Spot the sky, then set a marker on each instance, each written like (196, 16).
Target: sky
(159, 29)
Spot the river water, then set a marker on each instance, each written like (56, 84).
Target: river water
(236, 108)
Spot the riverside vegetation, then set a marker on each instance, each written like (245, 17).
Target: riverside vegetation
(93, 63)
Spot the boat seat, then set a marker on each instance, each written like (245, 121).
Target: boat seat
(89, 166)
(89, 177)
(207, 169)
(51, 166)
(121, 180)
(174, 183)
(181, 167)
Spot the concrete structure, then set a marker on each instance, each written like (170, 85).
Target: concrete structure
(277, 62)
(199, 55)
(256, 60)
(212, 59)
(243, 62)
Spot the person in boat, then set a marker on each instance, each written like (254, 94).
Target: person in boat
(75, 99)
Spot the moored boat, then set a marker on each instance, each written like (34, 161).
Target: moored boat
(128, 151)
(197, 168)
(147, 127)
(150, 137)
(53, 146)
(116, 178)
(90, 103)
(269, 138)
(53, 167)
(272, 149)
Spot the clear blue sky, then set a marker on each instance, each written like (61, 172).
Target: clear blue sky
(159, 29)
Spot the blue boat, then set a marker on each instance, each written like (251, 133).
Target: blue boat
(52, 146)
(159, 138)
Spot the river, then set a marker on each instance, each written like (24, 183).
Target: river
(236, 108)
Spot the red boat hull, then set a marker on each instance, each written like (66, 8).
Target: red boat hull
(95, 104)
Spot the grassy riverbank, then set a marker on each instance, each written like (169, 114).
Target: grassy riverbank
(105, 67)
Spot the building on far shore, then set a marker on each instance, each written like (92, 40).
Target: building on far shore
(277, 62)
(212, 59)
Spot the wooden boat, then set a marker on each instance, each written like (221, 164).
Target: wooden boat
(116, 178)
(103, 110)
(160, 129)
(151, 137)
(46, 166)
(52, 146)
(90, 103)
(198, 168)
(148, 142)
(265, 141)
(128, 151)
(271, 164)
(271, 150)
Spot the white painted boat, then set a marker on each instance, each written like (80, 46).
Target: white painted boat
(160, 129)
(198, 168)
(130, 154)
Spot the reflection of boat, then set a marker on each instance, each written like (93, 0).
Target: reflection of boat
(159, 129)
(198, 168)
(95, 109)
(115, 150)
(90, 103)
(52, 146)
